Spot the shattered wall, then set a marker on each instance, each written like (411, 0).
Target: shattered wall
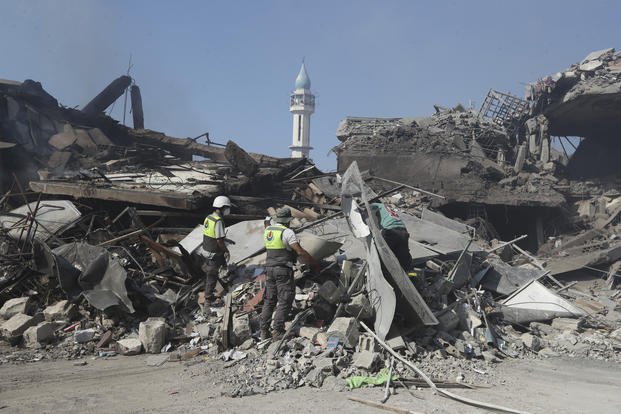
(453, 153)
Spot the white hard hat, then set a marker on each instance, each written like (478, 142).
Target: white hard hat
(221, 201)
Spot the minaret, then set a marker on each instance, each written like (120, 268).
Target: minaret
(302, 106)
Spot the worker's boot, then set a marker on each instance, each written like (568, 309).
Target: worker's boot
(265, 334)
(277, 335)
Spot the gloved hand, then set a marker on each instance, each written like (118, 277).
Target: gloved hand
(227, 256)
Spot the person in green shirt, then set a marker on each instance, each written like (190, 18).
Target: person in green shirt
(394, 232)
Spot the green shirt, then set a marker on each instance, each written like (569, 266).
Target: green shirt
(386, 218)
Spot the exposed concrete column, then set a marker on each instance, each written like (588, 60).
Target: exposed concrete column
(531, 135)
(520, 159)
(543, 135)
(137, 113)
(545, 150)
(533, 148)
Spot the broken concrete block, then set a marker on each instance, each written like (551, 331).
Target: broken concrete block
(531, 342)
(203, 329)
(346, 329)
(547, 353)
(566, 324)
(448, 320)
(366, 360)
(152, 334)
(324, 364)
(14, 306)
(315, 378)
(61, 310)
(321, 339)
(241, 329)
(129, 346)
(83, 336)
(17, 324)
(367, 343)
(331, 292)
(247, 344)
(360, 307)
(40, 334)
(308, 332)
(396, 342)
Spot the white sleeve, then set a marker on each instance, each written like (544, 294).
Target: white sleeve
(220, 230)
(289, 237)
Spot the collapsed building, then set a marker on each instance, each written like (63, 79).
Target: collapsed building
(498, 164)
(100, 229)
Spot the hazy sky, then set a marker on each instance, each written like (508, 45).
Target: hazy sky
(228, 67)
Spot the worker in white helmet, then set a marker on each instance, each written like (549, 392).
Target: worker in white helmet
(214, 246)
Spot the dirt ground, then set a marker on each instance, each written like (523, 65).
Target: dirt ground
(127, 384)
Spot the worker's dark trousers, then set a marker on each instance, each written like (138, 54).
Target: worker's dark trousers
(279, 294)
(211, 268)
(397, 240)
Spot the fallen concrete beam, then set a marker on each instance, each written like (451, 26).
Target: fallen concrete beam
(240, 159)
(190, 147)
(146, 197)
(105, 98)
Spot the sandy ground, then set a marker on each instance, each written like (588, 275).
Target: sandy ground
(127, 384)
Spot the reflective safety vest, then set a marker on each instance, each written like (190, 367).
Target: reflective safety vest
(209, 233)
(277, 253)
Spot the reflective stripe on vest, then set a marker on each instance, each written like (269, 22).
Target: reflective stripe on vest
(209, 225)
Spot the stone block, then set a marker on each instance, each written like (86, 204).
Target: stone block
(347, 331)
(366, 360)
(152, 335)
(360, 307)
(129, 346)
(83, 336)
(566, 324)
(241, 329)
(16, 305)
(17, 324)
(308, 332)
(38, 335)
(531, 342)
(61, 311)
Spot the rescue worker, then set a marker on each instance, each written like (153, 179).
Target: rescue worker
(394, 232)
(214, 246)
(282, 248)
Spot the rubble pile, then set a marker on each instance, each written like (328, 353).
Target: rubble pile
(100, 256)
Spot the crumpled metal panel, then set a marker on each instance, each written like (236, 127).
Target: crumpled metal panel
(410, 301)
(85, 269)
(381, 294)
